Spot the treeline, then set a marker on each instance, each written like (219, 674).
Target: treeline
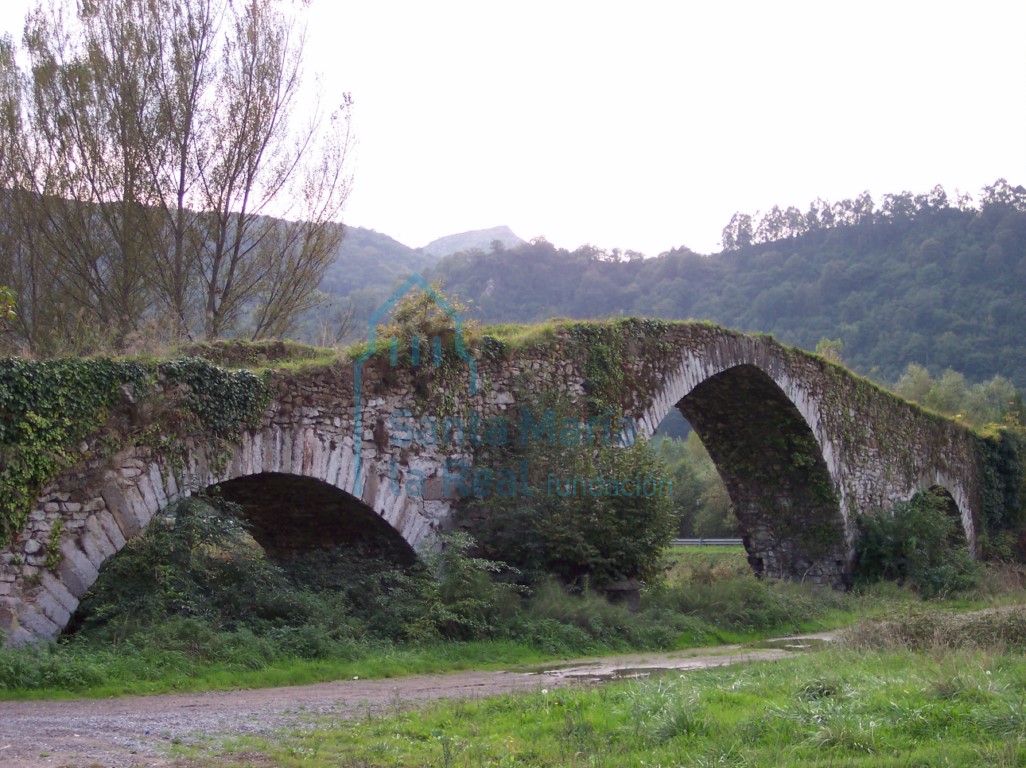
(987, 402)
(782, 223)
(143, 150)
(941, 287)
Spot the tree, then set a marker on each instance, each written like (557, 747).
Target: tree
(831, 349)
(93, 122)
(947, 394)
(9, 120)
(1003, 195)
(915, 383)
(772, 226)
(158, 141)
(254, 164)
(990, 402)
(863, 209)
(737, 233)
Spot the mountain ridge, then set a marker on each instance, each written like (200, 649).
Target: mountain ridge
(472, 240)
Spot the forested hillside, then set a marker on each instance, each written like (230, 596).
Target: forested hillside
(916, 279)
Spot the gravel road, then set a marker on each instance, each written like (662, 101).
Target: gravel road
(139, 730)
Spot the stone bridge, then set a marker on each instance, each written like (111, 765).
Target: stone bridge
(803, 446)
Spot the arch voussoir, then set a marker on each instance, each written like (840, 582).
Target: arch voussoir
(75, 569)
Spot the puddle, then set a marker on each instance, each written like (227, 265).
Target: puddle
(627, 673)
(638, 667)
(604, 672)
(795, 644)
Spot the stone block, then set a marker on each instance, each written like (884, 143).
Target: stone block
(37, 624)
(53, 609)
(149, 498)
(19, 636)
(57, 589)
(122, 512)
(140, 512)
(94, 504)
(95, 544)
(75, 569)
(156, 482)
(111, 529)
(172, 490)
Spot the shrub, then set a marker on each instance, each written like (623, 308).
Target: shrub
(584, 532)
(999, 630)
(464, 600)
(743, 602)
(917, 544)
(198, 561)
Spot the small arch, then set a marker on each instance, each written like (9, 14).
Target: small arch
(946, 500)
(120, 496)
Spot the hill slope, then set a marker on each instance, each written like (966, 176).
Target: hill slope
(944, 287)
(369, 259)
(478, 239)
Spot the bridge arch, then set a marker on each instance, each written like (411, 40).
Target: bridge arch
(733, 385)
(762, 431)
(291, 515)
(953, 495)
(104, 507)
(960, 506)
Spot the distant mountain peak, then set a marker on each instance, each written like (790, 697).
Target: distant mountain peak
(477, 239)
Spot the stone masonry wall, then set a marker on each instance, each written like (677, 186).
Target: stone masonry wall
(413, 457)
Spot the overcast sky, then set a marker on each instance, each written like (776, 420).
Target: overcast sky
(645, 125)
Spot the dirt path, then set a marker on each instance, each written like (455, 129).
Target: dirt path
(138, 730)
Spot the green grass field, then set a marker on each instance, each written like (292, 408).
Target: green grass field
(831, 708)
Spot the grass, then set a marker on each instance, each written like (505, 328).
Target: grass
(689, 563)
(99, 674)
(517, 337)
(837, 707)
(552, 626)
(240, 353)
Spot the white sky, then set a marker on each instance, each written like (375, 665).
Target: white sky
(646, 124)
